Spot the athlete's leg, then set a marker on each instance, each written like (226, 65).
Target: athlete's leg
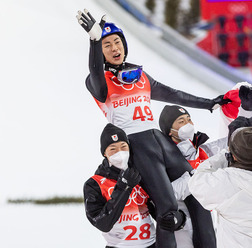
(152, 246)
(175, 163)
(148, 160)
(203, 230)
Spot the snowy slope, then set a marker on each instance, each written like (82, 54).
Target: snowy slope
(49, 124)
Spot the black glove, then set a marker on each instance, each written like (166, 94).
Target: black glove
(128, 179)
(219, 101)
(240, 121)
(173, 221)
(245, 94)
(87, 21)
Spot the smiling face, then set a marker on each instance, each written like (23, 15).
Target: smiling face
(113, 49)
(116, 147)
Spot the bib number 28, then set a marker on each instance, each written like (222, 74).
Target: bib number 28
(144, 232)
(142, 114)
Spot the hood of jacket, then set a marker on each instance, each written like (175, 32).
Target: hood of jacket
(199, 139)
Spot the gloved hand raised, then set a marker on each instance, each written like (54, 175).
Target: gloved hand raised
(219, 101)
(93, 28)
(245, 94)
(128, 179)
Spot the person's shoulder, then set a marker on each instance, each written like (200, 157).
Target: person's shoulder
(87, 81)
(100, 173)
(91, 186)
(147, 75)
(89, 182)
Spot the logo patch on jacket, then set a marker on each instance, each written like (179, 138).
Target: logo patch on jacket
(103, 180)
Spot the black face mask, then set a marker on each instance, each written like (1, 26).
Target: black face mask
(229, 158)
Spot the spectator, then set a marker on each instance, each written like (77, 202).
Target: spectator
(226, 186)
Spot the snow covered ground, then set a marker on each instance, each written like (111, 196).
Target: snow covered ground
(49, 123)
(28, 226)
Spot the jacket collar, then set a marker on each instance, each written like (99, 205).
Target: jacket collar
(110, 172)
(199, 139)
(241, 166)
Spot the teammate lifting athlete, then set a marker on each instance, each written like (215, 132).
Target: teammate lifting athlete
(123, 93)
(114, 202)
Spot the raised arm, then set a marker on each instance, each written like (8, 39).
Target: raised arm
(104, 214)
(101, 213)
(95, 81)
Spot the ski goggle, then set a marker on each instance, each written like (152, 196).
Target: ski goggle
(130, 76)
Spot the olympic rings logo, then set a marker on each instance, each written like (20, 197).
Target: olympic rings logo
(238, 8)
(136, 196)
(140, 84)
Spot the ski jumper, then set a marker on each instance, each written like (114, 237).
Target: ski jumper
(155, 156)
(122, 215)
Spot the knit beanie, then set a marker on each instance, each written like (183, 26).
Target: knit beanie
(168, 115)
(112, 134)
(240, 145)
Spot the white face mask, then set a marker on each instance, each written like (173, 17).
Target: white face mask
(119, 160)
(185, 132)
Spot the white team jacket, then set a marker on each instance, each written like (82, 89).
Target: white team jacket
(211, 148)
(186, 147)
(228, 190)
(180, 186)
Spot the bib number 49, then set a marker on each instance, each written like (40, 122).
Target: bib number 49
(143, 115)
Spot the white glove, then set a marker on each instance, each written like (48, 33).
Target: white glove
(93, 28)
